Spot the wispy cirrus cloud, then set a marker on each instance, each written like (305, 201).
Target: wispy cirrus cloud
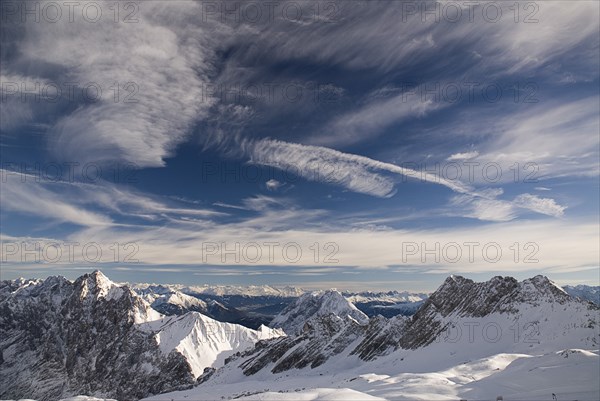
(555, 139)
(173, 56)
(545, 206)
(463, 156)
(499, 46)
(87, 204)
(493, 209)
(147, 80)
(357, 173)
(368, 176)
(273, 185)
(15, 111)
(556, 244)
(369, 120)
(34, 199)
(280, 221)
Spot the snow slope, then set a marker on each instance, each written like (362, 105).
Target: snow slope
(205, 342)
(169, 301)
(513, 376)
(520, 340)
(570, 374)
(317, 394)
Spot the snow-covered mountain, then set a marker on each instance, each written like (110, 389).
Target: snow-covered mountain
(523, 340)
(535, 307)
(313, 305)
(468, 340)
(60, 338)
(587, 292)
(321, 324)
(205, 342)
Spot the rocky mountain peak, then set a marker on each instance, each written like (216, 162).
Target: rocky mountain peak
(543, 284)
(496, 294)
(97, 285)
(459, 298)
(92, 336)
(540, 288)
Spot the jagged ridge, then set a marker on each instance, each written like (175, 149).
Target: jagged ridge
(60, 338)
(456, 299)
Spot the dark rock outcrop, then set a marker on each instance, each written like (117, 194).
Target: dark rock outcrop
(60, 338)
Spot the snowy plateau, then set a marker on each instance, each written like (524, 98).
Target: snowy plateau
(92, 339)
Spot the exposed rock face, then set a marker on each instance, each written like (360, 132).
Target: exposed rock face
(463, 298)
(458, 298)
(381, 337)
(323, 323)
(60, 338)
(322, 337)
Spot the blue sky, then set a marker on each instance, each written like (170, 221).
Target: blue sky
(375, 145)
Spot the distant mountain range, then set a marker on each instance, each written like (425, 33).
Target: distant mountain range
(228, 290)
(587, 292)
(253, 306)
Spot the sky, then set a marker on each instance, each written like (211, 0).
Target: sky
(321, 144)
